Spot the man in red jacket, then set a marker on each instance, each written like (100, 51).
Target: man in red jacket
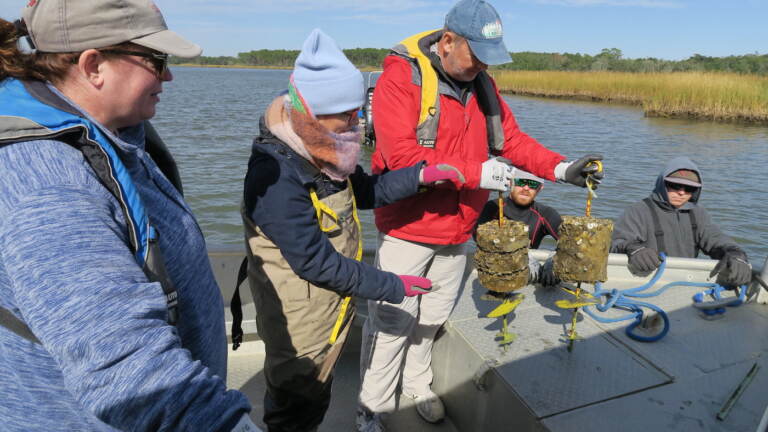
(435, 102)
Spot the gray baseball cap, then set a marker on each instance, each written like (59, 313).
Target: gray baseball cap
(57, 26)
(520, 174)
(480, 24)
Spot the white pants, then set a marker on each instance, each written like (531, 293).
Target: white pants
(397, 338)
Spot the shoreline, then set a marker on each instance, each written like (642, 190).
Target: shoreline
(362, 69)
(714, 97)
(701, 96)
(230, 66)
(680, 115)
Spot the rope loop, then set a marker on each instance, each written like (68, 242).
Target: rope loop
(626, 300)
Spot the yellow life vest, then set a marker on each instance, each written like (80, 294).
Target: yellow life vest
(416, 49)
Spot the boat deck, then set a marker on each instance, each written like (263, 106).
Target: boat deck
(244, 374)
(608, 382)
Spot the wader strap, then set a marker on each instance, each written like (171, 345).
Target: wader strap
(158, 151)
(658, 232)
(359, 257)
(321, 208)
(695, 241)
(9, 321)
(236, 306)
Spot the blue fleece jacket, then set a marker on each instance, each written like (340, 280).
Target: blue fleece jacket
(108, 359)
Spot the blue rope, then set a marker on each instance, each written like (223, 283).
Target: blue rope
(622, 299)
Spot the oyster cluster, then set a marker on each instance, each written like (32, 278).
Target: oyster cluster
(582, 249)
(502, 255)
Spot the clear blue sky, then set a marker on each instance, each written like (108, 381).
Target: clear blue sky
(668, 29)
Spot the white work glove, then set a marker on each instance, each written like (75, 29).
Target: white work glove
(534, 268)
(496, 174)
(245, 425)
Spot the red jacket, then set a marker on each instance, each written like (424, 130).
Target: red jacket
(444, 215)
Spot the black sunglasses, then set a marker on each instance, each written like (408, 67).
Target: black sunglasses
(678, 186)
(533, 184)
(159, 61)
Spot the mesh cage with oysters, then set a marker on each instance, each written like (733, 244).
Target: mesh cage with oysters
(502, 255)
(582, 249)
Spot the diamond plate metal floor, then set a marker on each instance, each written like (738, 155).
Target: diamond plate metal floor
(244, 374)
(609, 382)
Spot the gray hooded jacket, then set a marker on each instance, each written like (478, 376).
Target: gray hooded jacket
(635, 229)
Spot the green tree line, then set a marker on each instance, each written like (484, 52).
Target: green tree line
(361, 57)
(609, 59)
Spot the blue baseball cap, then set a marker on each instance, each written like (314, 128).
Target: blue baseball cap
(479, 23)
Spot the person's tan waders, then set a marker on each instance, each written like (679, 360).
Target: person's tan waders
(296, 319)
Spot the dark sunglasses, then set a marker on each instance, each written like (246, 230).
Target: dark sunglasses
(533, 184)
(678, 186)
(159, 61)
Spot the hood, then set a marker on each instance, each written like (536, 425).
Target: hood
(660, 191)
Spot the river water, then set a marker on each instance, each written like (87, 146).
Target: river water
(209, 117)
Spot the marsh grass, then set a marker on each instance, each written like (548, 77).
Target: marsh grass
(722, 97)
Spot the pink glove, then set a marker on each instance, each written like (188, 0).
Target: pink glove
(414, 285)
(436, 174)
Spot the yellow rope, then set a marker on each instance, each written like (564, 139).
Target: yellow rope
(591, 188)
(501, 210)
(588, 213)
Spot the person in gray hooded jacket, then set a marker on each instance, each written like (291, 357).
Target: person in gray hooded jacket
(670, 220)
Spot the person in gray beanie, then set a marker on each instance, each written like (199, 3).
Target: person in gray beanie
(303, 235)
(110, 316)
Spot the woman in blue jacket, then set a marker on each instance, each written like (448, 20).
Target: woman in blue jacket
(97, 330)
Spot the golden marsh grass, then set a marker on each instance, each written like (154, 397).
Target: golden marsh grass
(723, 97)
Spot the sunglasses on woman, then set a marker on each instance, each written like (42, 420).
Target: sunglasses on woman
(533, 184)
(678, 186)
(158, 61)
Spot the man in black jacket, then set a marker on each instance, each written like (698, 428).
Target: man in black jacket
(670, 220)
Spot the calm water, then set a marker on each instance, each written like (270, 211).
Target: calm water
(210, 116)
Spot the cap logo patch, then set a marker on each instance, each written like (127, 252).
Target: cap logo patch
(492, 30)
(32, 3)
